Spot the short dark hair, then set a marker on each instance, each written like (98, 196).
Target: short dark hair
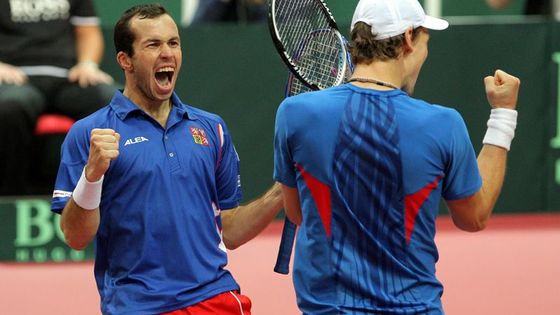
(364, 48)
(123, 37)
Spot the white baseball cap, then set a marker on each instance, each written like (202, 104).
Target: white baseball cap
(389, 18)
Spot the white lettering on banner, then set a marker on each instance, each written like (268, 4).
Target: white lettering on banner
(555, 142)
(29, 11)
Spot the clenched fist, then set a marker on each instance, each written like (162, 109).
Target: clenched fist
(104, 147)
(502, 90)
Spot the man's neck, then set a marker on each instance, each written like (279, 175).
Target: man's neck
(390, 72)
(158, 110)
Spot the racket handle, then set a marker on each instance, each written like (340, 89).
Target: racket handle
(285, 250)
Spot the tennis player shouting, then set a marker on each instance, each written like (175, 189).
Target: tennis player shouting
(146, 177)
(364, 165)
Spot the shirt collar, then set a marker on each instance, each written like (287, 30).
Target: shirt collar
(123, 106)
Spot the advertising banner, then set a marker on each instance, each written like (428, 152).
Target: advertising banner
(30, 232)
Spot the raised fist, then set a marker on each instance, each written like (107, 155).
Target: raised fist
(104, 147)
(502, 90)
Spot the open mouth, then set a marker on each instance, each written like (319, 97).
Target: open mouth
(164, 76)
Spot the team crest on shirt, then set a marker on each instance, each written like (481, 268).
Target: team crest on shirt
(199, 136)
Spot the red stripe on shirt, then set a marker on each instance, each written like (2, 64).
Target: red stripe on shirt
(321, 194)
(413, 203)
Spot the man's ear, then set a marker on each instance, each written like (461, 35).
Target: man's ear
(408, 45)
(124, 61)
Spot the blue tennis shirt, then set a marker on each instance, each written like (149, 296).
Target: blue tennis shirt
(159, 246)
(370, 168)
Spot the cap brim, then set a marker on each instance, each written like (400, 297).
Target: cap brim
(434, 23)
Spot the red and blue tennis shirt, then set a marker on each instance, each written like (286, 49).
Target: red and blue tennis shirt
(370, 168)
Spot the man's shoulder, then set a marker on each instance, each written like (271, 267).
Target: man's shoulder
(97, 119)
(196, 112)
(202, 114)
(431, 109)
(315, 98)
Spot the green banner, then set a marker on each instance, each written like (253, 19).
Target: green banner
(109, 11)
(30, 232)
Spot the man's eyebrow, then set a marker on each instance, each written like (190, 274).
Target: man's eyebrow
(147, 40)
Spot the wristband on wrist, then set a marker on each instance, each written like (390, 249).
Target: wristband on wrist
(87, 194)
(501, 127)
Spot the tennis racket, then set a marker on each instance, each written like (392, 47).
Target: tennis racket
(307, 38)
(286, 245)
(294, 87)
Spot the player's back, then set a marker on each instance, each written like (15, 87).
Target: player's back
(356, 252)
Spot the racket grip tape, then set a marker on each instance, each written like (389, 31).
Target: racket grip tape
(285, 250)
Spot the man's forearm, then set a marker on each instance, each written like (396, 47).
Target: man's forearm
(243, 223)
(89, 44)
(79, 225)
(492, 166)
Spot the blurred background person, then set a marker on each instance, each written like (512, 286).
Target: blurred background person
(532, 7)
(242, 11)
(48, 63)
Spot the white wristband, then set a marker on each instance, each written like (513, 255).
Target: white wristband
(501, 127)
(87, 194)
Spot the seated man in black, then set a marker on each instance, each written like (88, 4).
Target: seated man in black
(48, 63)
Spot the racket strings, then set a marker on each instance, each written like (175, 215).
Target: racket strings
(295, 86)
(296, 19)
(311, 44)
(322, 60)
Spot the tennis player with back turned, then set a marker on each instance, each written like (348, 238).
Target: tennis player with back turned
(363, 167)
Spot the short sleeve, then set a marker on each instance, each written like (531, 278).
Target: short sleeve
(228, 178)
(82, 13)
(284, 169)
(462, 175)
(74, 154)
